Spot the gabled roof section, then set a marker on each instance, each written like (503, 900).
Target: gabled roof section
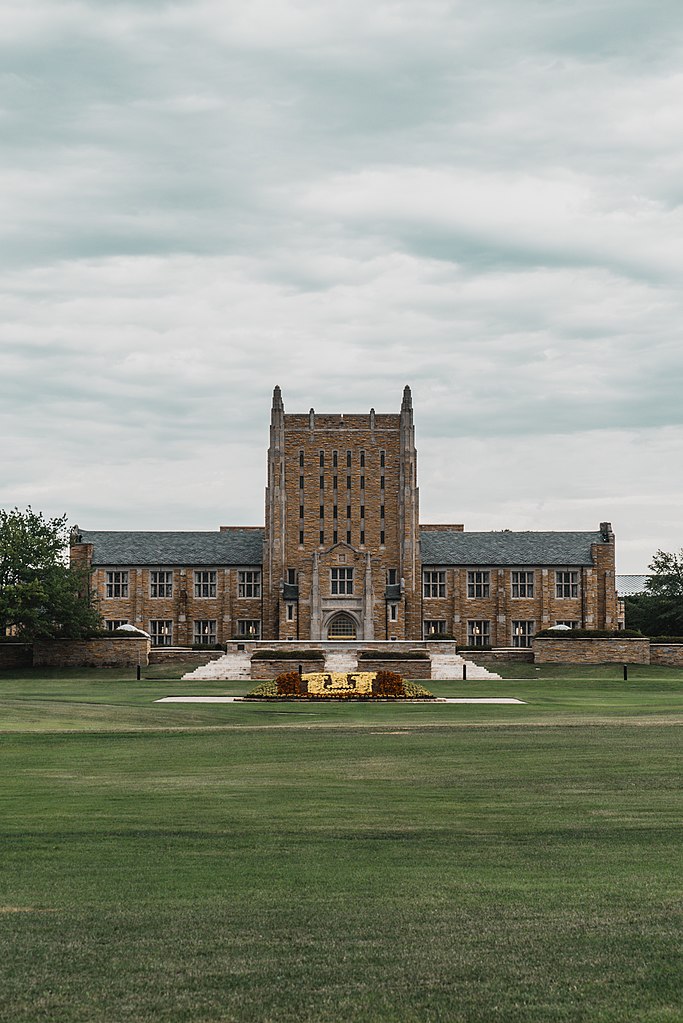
(630, 585)
(230, 547)
(507, 548)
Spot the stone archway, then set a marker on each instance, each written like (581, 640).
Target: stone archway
(342, 626)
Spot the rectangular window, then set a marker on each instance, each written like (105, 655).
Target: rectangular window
(382, 458)
(392, 576)
(112, 624)
(479, 633)
(335, 459)
(322, 459)
(249, 583)
(322, 482)
(348, 459)
(322, 511)
(348, 511)
(362, 482)
(362, 511)
(301, 483)
(522, 633)
(335, 511)
(522, 584)
(433, 584)
(301, 511)
(362, 459)
(348, 482)
(291, 576)
(301, 459)
(290, 612)
(335, 536)
(569, 622)
(117, 584)
(393, 612)
(205, 632)
(249, 628)
(348, 536)
(381, 482)
(335, 482)
(341, 581)
(205, 584)
(434, 627)
(381, 511)
(362, 537)
(161, 584)
(566, 584)
(381, 538)
(161, 631)
(478, 584)
(322, 537)
(301, 537)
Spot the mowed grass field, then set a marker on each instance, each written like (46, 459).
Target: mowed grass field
(179, 862)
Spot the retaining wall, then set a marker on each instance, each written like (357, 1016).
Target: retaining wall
(409, 667)
(592, 651)
(91, 653)
(667, 653)
(16, 655)
(272, 667)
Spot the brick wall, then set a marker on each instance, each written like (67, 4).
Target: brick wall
(415, 668)
(591, 651)
(161, 655)
(90, 653)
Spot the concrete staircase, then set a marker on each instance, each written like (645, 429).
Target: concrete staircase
(450, 666)
(229, 667)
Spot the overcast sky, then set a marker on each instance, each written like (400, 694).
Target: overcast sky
(203, 199)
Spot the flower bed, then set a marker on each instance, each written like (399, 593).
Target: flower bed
(353, 685)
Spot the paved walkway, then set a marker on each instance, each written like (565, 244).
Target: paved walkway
(241, 699)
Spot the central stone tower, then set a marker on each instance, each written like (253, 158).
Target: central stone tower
(341, 555)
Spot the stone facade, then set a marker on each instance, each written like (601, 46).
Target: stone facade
(343, 555)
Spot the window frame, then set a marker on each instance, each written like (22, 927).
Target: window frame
(164, 588)
(478, 632)
(210, 583)
(525, 587)
(201, 628)
(431, 584)
(566, 578)
(116, 579)
(478, 583)
(341, 581)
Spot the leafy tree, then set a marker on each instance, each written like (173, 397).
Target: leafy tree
(40, 596)
(659, 610)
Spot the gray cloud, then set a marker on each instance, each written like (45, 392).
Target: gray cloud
(202, 199)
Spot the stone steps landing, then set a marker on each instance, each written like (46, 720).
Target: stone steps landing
(449, 667)
(226, 668)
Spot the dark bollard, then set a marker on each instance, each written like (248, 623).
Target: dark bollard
(625, 673)
(138, 673)
(464, 673)
(299, 671)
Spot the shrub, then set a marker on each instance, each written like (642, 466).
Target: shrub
(288, 655)
(393, 655)
(387, 683)
(666, 639)
(414, 691)
(288, 684)
(266, 688)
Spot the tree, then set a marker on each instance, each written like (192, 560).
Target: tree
(40, 595)
(659, 610)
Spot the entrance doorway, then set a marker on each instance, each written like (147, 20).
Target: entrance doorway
(342, 626)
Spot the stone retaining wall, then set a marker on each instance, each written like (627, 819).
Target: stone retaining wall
(91, 653)
(667, 653)
(175, 655)
(591, 651)
(522, 655)
(415, 668)
(15, 655)
(272, 667)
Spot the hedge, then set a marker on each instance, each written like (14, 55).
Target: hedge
(288, 655)
(589, 634)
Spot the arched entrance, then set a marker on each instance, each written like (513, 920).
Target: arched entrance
(342, 626)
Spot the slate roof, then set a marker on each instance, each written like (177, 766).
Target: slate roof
(507, 548)
(629, 585)
(232, 547)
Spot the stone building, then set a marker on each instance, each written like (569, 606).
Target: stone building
(343, 556)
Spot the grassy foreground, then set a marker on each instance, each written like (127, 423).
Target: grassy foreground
(345, 863)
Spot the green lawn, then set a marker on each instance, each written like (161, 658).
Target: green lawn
(168, 862)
